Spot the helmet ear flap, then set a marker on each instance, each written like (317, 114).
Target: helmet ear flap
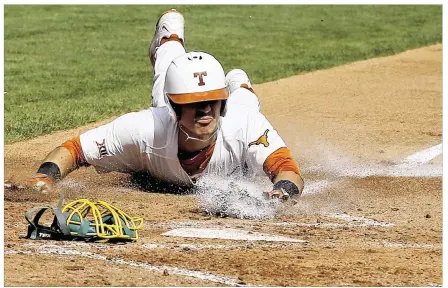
(223, 108)
(176, 108)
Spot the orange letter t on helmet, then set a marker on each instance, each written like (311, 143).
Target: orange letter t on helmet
(200, 75)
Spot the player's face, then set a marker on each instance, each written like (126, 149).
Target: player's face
(200, 119)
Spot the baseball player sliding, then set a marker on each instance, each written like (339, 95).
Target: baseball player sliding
(202, 122)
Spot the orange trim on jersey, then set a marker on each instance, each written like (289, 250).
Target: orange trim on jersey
(280, 160)
(186, 98)
(74, 147)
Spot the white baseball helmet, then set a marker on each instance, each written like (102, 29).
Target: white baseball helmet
(195, 77)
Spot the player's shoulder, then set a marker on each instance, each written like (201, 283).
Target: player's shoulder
(141, 124)
(145, 116)
(160, 115)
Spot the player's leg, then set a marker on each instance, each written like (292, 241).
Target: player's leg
(240, 88)
(237, 78)
(167, 44)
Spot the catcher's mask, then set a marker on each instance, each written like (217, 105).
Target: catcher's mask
(83, 219)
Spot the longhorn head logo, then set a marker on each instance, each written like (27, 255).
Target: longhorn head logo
(263, 139)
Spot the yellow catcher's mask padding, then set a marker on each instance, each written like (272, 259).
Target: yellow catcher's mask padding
(100, 219)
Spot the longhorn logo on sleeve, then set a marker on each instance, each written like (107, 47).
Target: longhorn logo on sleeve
(102, 148)
(263, 139)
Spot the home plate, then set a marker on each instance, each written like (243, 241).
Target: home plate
(227, 233)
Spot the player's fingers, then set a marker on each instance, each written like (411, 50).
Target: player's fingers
(274, 194)
(285, 197)
(41, 183)
(45, 188)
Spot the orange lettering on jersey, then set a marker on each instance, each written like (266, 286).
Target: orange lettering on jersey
(200, 75)
(262, 140)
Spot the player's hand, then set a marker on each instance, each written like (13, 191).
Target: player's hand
(277, 194)
(41, 183)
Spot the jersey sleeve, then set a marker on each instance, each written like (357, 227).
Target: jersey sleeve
(116, 146)
(262, 140)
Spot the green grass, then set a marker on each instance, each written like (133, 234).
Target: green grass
(66, 66)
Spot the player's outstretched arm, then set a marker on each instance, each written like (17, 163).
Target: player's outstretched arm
(58, 164)
(115, 146)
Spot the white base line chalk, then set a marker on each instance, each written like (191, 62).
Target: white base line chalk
(350, 221)
(169, 269)
(214, 247)
(424, 156)
(411, 246)
(357, 221)
(415, 165)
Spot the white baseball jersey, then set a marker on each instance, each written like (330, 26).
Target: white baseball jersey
(148, 141)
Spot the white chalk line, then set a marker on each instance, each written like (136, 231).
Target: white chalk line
(169, 269)
(424, 156)
(415, 165)
(187, 247)
(184, 247)
(350, 222)
(80, 245)
(359, 221)
(387, 244)
(398, 170)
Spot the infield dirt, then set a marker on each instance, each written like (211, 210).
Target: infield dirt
(339, 123)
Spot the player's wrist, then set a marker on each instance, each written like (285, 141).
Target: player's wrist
(49, 170)
(288, 187)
